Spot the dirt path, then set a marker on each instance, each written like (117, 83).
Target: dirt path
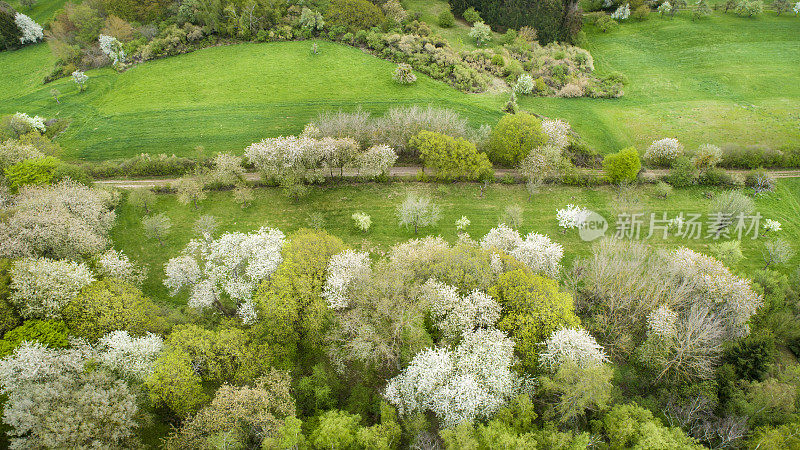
(395, 172)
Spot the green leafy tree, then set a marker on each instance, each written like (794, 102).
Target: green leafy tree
(623, 166)
(574, 390)
(533, 307)
(513, 138)
(354, 15)
(175, 385)
(108, 305)
(631, 426)
(52, 333)
(32, 171)
(452, 158)
(336, 429)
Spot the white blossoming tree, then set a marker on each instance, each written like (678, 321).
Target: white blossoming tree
(470, 382)
(54, 402)
(234, 264)
(376, 160)
(35, 122)
(112, 48)
(80, 79)
(31, 31)
(417, 212)
(571, 217)
(132, 357)
(40, 288)
(664, 151)
(571, 344)
(557, 132)
(536, 251)
(342, 270)
(116, 264)
(622, 13)
(65, 220)
(455, 315)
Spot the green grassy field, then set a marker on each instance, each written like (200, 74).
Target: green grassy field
(42, 11)
(721, 80)
(337, 203)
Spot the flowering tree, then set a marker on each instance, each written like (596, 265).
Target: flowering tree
(524, 84)
(116, 264)
(771, 225)
(42, 287)
(462, 224)
(455, 315)
(707, 156)
(34, 122)
(470, 382)
(80, 79)
(190, 190)
(342, 270)
(362, 221)
(54, 402)
(571, 217)
(417, 212)
(481, 33)
(31, 31)
(557, 132)
(376, 160)
(540, 253)
(112, 48)
(404, 74)
(571, 344)
(501, 238)
(235, 264)
(133, 357)
(664, 151)
(622, 13)
(64, 220)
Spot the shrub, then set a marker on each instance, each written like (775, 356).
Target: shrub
(622, 166)
(751, 157)
(683, 172)
(641, 13)
(729, 252)
(403, 74)
(760, 181)
(452, 158)
(525, 84)
(728, 207)
(471, 15)
(446, 19)
(32, 171)
(663, 152)
(362, 221)
(662, 190)
(606, 23)
(354, 15)
(481, 32)
(513, 138)
(716, 177)
(749, 8)
(707, 156)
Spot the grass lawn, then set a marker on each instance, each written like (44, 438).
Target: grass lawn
(722, 80)
(221, 98)
(337, 204)
(41, 12)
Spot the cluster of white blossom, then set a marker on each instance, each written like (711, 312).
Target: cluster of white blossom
(342, 270)
(235, 263)
(131, 356)
(571, 344)
(664, 8)
(729, 297)
(362, 221)
(524, 84)
(462, 224)
(42, 287)
(796, 8)
(557, 132)
(247, 312)
(772, 225)
(31, 31)
(112, 48)
(79, 78)
(35, 122)
(501, 238)
(64, 220)
(572, 217)
(540, 253)
(468, 383)
(663, 151)
(622, 13)
(116, 264)
(455, 315)
(663, 322)
(536, 251)
(12, 152)
(376, 160)
(54, 402)
(416, 251)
